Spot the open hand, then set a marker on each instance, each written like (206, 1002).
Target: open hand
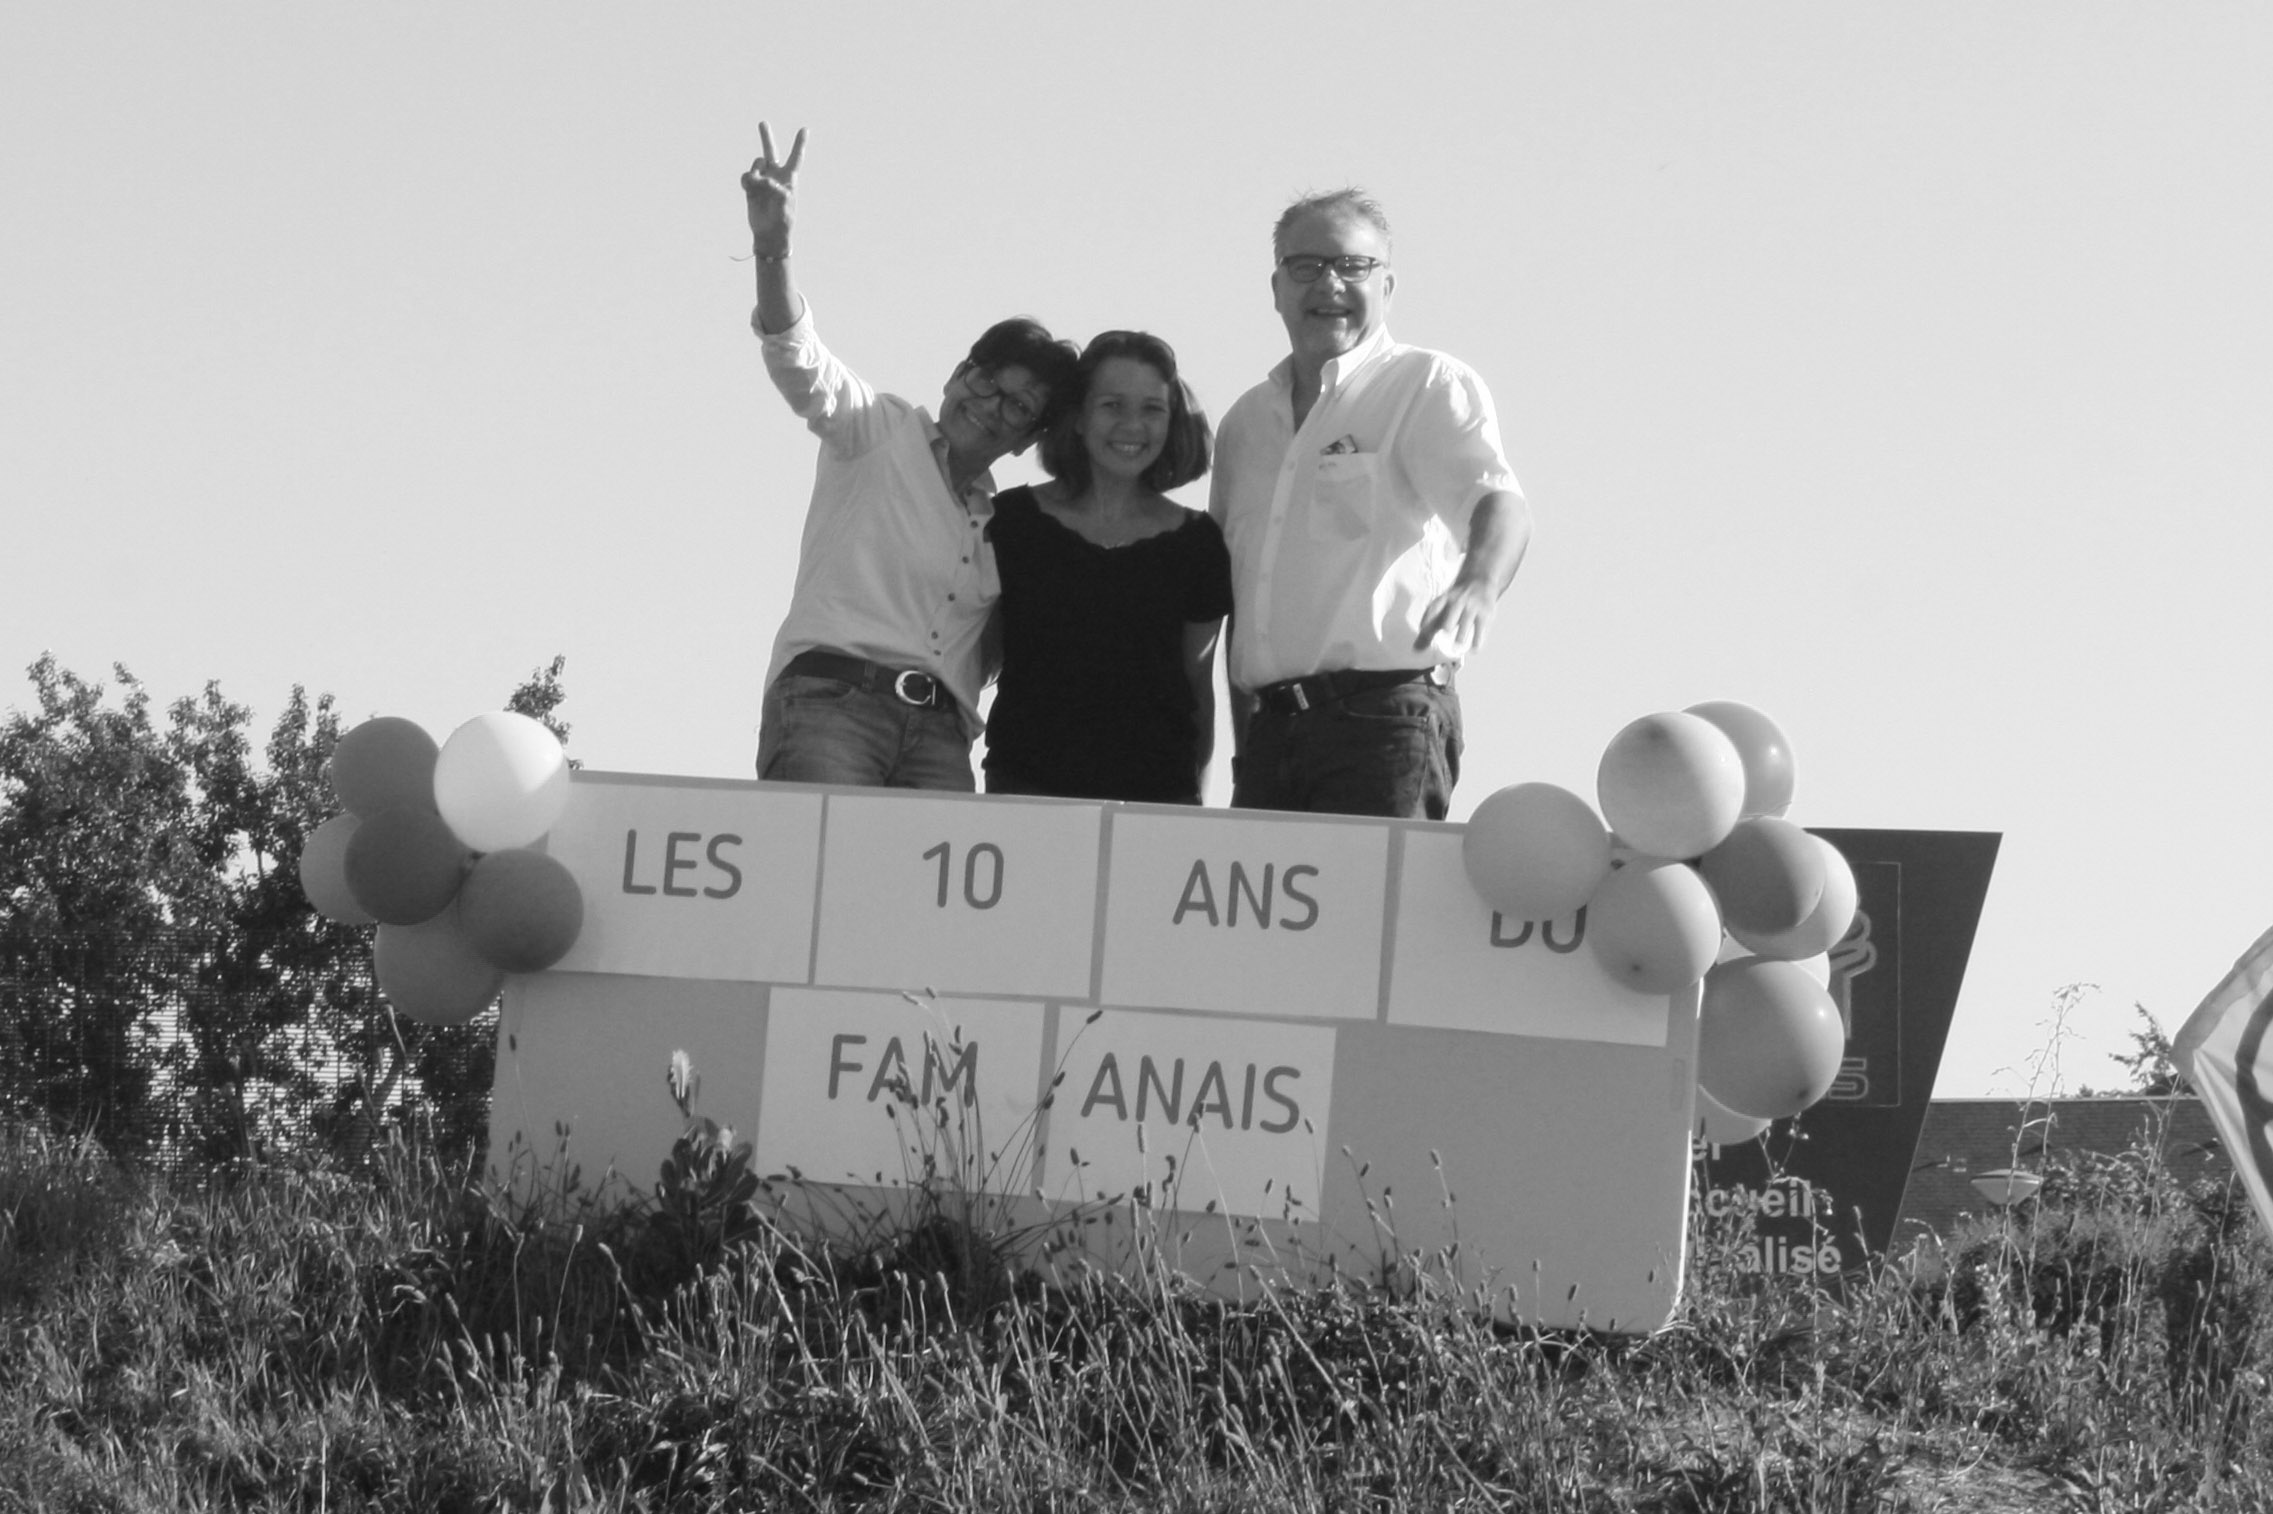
(771, 189)
(1455, 621)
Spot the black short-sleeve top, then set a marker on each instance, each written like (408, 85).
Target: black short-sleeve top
(1093, 701)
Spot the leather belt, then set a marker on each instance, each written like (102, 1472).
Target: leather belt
(1296, 695)
(908, 685)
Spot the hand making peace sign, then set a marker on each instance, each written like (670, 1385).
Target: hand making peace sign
(771, 188)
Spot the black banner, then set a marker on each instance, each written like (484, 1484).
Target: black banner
(1825, 1187)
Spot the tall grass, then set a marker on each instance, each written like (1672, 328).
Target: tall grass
(399, 1337)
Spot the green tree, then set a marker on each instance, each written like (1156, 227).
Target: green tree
(102, 852)
(540, 695)
(2153, 1069)
(162, 974)
(283, 1020)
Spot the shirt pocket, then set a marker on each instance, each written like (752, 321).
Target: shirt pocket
(1342, 496)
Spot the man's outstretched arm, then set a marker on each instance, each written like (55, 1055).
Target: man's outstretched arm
(1499, 533)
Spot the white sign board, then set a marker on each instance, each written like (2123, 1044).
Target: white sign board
(1245, 915)
(1278, 1043)
(848, 1073)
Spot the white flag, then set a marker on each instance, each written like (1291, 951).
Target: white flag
(2226, 1048)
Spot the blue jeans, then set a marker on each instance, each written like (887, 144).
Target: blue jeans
(817, 730)
(1393, 751)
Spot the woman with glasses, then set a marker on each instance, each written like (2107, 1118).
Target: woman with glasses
(877, 668)
(1113, 595)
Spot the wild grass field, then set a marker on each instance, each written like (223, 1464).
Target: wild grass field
(390, 1334)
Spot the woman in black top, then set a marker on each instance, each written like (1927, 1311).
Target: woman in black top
(1113, 595)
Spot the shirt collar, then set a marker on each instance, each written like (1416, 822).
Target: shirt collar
(1337, 369)
(982, 482)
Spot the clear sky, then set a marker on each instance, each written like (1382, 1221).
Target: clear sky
(1906, 372)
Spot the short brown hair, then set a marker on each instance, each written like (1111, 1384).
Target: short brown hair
(1023, 342)
(1191, 439)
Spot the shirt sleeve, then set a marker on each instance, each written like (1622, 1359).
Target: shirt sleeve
(836, 404)
(1228, 437)
(1450, 446)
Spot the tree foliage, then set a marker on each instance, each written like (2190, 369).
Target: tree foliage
(164, 983)
(2153, 1069)
(539, 697)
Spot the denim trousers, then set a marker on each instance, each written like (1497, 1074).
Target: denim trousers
(1393, 751)
(817, 730)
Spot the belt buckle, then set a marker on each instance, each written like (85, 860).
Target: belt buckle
(930, 687)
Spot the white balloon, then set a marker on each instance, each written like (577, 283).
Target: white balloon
(1535, 851)
(1653, 926)
(1671, 785)
(501, 781)
(1766, 753)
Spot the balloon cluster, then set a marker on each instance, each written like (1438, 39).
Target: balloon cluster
(435, 848)
(1692, 872)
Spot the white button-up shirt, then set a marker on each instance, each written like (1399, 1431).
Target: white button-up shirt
(1344, 530)
(893, 566)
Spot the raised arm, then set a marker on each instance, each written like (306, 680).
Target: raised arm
(771, 189)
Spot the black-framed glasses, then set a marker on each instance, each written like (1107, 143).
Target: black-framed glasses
(1017, 409)
(1305, 267)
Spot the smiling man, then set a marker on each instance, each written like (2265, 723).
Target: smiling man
(1373, 523)
(876, 672)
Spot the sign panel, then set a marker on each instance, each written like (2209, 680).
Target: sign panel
(1227, 1113)
(1866, 980)
(853, 1082)
(1823, 1190)
(691, 881)
(1244, 915)
(1460, 966)
(923, 891)
(1256, 1044)
(582, 1066)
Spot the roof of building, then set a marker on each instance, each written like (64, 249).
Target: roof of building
(1965, 1138)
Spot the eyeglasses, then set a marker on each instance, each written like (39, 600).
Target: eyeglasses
(1305, 267)
(1017, 409)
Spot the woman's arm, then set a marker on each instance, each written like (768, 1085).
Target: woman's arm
(1200, 637)
(835, 403)
(770, 187)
